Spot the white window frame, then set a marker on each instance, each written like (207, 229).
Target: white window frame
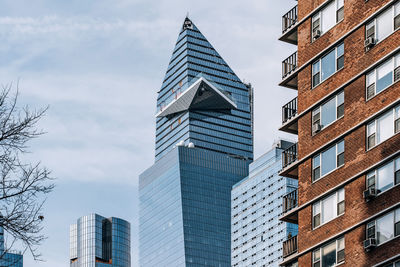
(374, 175)
(320, 161)
(318, 110)
(373, 76)
(319, 16)
(373, 22)
(320, 66)
(374, 223)
(337, 201)
(373, 125)
(314, 261)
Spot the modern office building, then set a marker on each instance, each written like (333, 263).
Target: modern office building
(346, 115)
(9, 258)
(96, 241)
(257, 233)
(204, 144)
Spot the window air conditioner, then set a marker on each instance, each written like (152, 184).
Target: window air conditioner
(369, 244)
(370, 193)
(316, 33)
(316, 128)
(369, 42)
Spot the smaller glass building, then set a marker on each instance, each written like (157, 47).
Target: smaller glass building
(6, 257)
(256, 232)
(96, 241)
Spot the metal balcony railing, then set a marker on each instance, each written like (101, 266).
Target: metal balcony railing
(289, 201)
(289, 156)
(289, 65)
(290, 246)
(289, 19)
(289, 110)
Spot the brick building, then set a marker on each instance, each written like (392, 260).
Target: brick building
(347, 117)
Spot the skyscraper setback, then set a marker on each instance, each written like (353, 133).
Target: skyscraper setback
(204, 144)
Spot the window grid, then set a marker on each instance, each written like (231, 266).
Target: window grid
(338, 206)
(379, 130)
(375, 85)
(318, 67)
(318, 163)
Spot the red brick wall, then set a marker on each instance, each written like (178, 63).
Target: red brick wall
(357, 109)
(355, 12)
(355, 61)
(355, 256)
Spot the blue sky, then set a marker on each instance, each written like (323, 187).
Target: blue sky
(98, 65)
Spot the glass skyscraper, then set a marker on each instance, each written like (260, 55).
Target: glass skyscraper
(202, 100)
(96, 241)
(203, 146)
(257, 234)
(8, 259)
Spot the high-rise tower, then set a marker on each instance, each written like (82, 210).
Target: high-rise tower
(203, 147)
(202, 100)
(96, 241)
(257, 233)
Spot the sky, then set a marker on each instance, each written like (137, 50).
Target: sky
(98, 64)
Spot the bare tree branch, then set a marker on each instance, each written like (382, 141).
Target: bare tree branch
(23, 186)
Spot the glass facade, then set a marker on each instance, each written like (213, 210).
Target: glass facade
(6, 257)
(185, 208)
(204, 144)
(257, 234)
(214, 128)
(96, 241)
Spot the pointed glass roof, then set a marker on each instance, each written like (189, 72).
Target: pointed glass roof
(183, 69)
(202, 101)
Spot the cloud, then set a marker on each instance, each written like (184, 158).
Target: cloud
(98, 65)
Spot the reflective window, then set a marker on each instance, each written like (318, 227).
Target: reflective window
(384, 177)
(384, 127)
(327, 161)
(328, 208)
(385, 227)
(327, 65)
(330, 254)
(328, 112)
(383, 76)
(384, 24)
(325, 19)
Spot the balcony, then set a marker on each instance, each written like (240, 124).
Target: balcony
(289, 160)
(290, 246)
(289, 117)
(289, 74)
(289, 26)
(290, 202)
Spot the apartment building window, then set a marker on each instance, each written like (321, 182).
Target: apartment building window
(327, 65)
(384, 177)
(384, 127)
(328, 17)
(384, 24)
(328, 112)
(329, 160)
(329, 255)
(384, 228)
(393, 264)
(383, 76)
(329, 208)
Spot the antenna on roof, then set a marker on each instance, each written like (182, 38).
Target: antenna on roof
(187, 15)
